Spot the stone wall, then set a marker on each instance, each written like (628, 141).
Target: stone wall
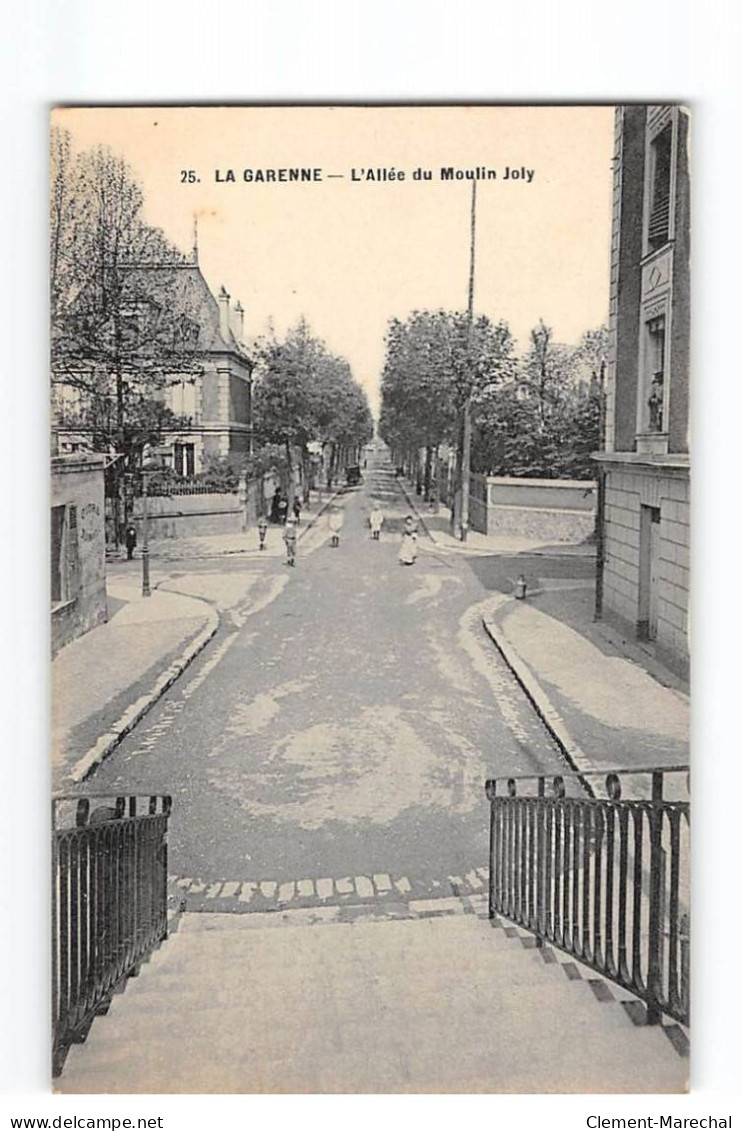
(186, 516)
(540, 523)
(77, 496)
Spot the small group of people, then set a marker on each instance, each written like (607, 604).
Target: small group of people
(408, 547)
(280, 508)
(279, 514)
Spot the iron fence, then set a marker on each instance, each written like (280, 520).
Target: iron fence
(604, 878)
(109, 903)
(167, 488)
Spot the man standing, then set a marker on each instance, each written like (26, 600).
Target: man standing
(130, 536)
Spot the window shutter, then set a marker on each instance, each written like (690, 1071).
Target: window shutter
(658, 231)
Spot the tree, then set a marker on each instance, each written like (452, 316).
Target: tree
(417, 391)
(282, 409)
(120, 334)
(304, 393)
(433, 365)
(544, 422)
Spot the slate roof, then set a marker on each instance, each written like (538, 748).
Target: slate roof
(183, 289)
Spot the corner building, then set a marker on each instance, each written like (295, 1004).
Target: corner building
(645, 462)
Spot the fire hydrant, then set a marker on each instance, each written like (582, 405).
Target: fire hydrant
(520, 588)
(262, 530)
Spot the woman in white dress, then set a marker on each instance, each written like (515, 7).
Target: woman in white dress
(408, 549)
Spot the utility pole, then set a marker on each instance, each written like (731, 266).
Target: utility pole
(600, 509)
(466, 445)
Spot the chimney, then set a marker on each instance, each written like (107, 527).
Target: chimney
(224, 314)
(239, 312)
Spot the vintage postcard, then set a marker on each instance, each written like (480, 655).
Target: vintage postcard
(370, 582)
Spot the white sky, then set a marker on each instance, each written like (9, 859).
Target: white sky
(349, 255)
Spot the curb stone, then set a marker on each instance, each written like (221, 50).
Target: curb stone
(107, 742)
(545, 709)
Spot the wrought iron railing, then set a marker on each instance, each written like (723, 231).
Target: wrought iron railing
(109, 903)
(186, 487)
(604, 878)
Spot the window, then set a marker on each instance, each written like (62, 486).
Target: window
(57, 554)
(184, 459)
(649, 572)
(658, 229)
(65, 557)
(183, 398)
(185, 333)
(655, 373)
(139, 323)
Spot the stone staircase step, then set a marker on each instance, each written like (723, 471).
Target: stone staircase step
(236, 944)
(444, 1004)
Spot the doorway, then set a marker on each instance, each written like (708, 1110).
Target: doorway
(649, 570)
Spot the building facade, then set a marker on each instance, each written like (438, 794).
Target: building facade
(212, 398)
(644, 562)
(78, 547)
(216, 402)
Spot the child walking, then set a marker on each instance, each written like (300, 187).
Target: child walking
(336, 525)
(408, 549)
(289, 537)
(376, 521)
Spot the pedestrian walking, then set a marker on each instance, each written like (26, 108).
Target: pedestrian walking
(262, 530)
(289, 537)
(297, 509)
(336, 525)
(283, 510)
(130, 537)
(376, 521)
(408, 549)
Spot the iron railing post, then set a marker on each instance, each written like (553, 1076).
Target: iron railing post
(541, 788)
(656, 870)
(491, 788)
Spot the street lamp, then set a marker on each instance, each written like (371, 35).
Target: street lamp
(147, 468)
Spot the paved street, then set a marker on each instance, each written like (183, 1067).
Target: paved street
(342, 721)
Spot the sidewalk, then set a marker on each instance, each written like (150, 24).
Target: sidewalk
(438, 526)
(244, 543)
(608, 703)
(103, 682)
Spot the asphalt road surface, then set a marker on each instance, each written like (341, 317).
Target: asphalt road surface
(346, 722)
